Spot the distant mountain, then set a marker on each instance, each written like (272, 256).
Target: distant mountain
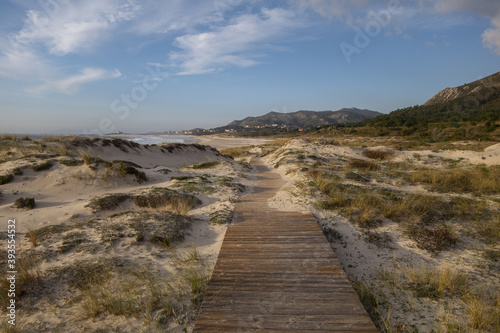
(305, 118)
(476, 101)
(481, 89)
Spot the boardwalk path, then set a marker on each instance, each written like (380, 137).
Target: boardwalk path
(277, 273)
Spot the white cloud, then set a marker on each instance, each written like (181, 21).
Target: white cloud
(491, 36)
(232, 44)
(159, 17)
(486, 8)
(55, 30)
(72, 83)
(332, 8)
(73, 26)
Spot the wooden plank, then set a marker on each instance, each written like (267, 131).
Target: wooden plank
(276, 272)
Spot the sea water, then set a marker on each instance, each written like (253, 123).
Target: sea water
(156, 139)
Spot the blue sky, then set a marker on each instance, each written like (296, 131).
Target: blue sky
(94, 66)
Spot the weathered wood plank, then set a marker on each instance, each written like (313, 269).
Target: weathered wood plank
(277, 273)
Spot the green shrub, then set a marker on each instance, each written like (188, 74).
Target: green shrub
(17, 171)
(182, 177)
(206, 165)
(221, 217)
(108, 201)
(43, 166)
(128, 168)
(25, 203)
(180, 203)
(6, 179)
(71, 162)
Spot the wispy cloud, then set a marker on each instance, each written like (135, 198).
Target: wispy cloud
(159, 17)
(340, 9)
(233, 44)
(48, 33)
(72, 83)
(73, 26)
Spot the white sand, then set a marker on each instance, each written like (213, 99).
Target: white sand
(62, 192)
(364, 261)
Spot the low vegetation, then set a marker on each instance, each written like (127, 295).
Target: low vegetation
(379, 154)
(478, 180)
(129, 168)
(205, 165)
(6, 179)
(224, 216)
(71, 162)
(167, 199)
(8, 137)
(423, 208)
(24, 203)
(108, 201)
(42, 166)
(237, 151)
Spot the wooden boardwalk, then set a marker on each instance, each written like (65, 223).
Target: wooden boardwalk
(276, 272)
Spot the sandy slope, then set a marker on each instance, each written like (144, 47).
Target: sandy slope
(61, 194)
(364, 261)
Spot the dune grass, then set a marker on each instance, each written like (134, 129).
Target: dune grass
(364, 165)
(205, 165)
(379, 154)
(237, 151)
(8, 137)
(128, 168)
(426, 218)
(43, 166)
(4, 179)
(71, 162)
(477, 180)
(108, 201)
(28, 278)
(164, 198)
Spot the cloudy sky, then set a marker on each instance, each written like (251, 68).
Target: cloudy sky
(151, 65)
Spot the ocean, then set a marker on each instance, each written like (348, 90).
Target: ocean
(155, 139)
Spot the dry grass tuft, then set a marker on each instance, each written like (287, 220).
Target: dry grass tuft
(484, 310)
(237, 151)
(435, 283)
(107, 201)
(379, 154)
(32, 236)
(205, 165)
(87, 157)
(478, 180)
(166, 198)
(27, 278)
(8, 137)
(365, 165)
(432, 239)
